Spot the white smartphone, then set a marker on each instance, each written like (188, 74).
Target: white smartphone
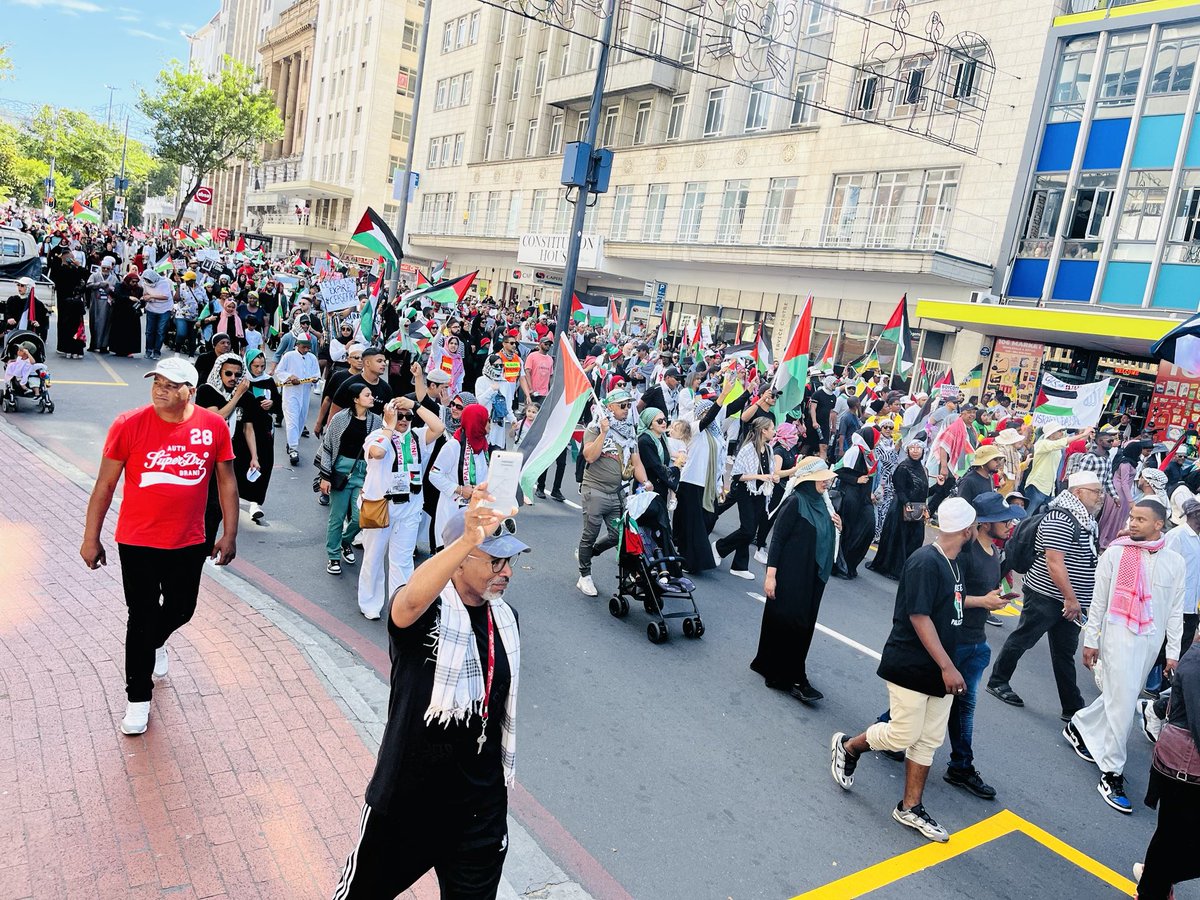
(504, 474)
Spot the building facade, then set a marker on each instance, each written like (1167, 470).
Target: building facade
(872, 153)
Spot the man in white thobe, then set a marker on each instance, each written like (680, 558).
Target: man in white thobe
(296, 373)
(1138, 599)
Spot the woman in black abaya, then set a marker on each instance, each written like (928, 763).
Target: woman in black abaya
(254, 435)
(125, 318)
(857, 511)
(799, 563)
(902, 535)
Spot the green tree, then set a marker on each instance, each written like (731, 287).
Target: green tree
(82, 148)
(5, 63)
(203, 124)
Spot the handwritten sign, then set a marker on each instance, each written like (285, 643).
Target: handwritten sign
(338, 294)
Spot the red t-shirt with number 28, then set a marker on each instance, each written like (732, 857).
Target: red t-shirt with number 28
(167, 469)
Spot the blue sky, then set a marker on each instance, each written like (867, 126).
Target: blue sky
(64, 52)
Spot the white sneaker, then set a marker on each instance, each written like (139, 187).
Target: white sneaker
(587, 586)
(161, 663)
(742, 573)
(256, 512)
(1138, 869)
(1151, 724)
(358, 540)
(136, 717)
(716, 555)
(760, 555)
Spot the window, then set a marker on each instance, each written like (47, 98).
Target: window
(912, 83)
(516, 82)
(537, 212)
(435, 152)
(531, 138)
(448, 37)
(817, 18)
(353, 165)
(867, 95)
(641, 122)
(466, 89)
(1071, 83)
(487, 143)
(877, 6)
(503, 31)
(1122, 69)
(938, 193)
(808, 95)
(1041, 218)
(609, 135)
(758, 109)
(656, 207)
(460, 33)
(714, 116)
(459, 141)
(492, 219)
(515, 200)
(691, 213)
(1175, 61)
(539, 74)
(564, 62)
(523, 26)
(675, 120)
(562, 215)
(843, 209)
(1091, 206)
(442, 91)
(582, 127)
(733, 211)
(474, 212)
(495, 84)
(777, 217)
(622, 202)
(654, 43)
(691, 40)
(556, 135)
(509, 132)
(473, 31)
(405, 79)
(1144, 206)
(965, 74)
(394, 163)
(412, 33)
(401, 125)
(454, 98)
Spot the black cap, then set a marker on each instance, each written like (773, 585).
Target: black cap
(672, 372)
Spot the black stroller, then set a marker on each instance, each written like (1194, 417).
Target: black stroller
(652, 575)
(37, 386)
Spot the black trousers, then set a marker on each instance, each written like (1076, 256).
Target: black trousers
(161, 587)
(1042, 615)
(1171, 857)
(560, 468)
(751, 510)
(465, 848)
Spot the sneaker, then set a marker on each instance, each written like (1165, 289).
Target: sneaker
(293, 456)
(919, 820)
(540, 493)
(322, 499)
(994, 619)
(136, 717)
(348, 555)
(1151, 724)
(586, 586)
(806, 693)
(1075, 739)
(358, 540)
(334, 567)
(558, 495)
(304, 433)
(256, 512)
(161, 663)
(969, 780)
(760, 555)
(1112, 789)
(843, 762)
(716, 555)
(742, 573)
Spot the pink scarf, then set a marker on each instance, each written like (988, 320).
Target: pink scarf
(1130, 604)
(223, 323)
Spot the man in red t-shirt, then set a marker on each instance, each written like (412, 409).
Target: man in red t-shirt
(168, 450)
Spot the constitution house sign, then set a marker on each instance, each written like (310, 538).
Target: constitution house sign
(550, 250)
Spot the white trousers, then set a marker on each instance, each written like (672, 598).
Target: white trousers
(1127, 659)
(397, 543)
(295, 411)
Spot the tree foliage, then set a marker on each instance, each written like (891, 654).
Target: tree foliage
(5, 63)
(203, 124)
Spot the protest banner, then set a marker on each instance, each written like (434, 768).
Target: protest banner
(338, 294)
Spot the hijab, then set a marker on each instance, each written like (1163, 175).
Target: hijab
(474, 428)
(787, 435)
(1132, 452)
(251, 356)
(810, 504)
(649, 414)
(712, 434)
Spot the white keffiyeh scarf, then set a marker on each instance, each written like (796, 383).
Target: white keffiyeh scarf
(458, 679)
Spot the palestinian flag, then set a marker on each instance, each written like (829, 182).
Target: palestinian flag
(82, 213)
(614, 321)
(438, 270)
(165, 266)
(333, 260)
(299, 262)
(377, 287)
(660, 342)
(240, 247)
(632, 537)
(897, 331)
(792, 376)
(825, 360)
(421, 279)
(372, 232)
(922, 380)
(921, 422)
(412, 337)
(955, 444)
(366, 319)
(587, 310)
(551, 431)
(696, 345)
(762, 354)
(446, 293)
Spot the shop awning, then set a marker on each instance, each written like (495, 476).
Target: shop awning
(1115, 333)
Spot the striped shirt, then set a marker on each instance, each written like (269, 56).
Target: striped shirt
(1060, 531)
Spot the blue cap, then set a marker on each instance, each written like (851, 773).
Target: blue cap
(500, 546)
(991, 507)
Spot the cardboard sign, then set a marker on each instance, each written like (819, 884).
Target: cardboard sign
(338, 294)
(1014, 369)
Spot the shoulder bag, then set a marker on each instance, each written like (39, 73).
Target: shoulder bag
(914, 511)
(1175, 754)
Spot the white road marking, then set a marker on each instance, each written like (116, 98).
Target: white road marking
(572, 504)
(836, 635)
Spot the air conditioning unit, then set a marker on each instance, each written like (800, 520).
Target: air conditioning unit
(985, 297)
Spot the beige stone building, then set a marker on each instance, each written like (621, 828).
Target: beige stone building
(872, 155)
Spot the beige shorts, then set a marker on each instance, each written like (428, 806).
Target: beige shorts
(918, 725)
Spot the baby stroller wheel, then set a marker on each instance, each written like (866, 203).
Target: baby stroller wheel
(657, 633)
(689, 628)
(48, 404)
(698, 628)
(618, 606)
(651, 606)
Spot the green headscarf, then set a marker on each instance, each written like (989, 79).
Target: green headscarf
(649, 414)
(811, 507)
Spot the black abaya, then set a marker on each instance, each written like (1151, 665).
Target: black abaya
(690, 529)
(124, 323)
(790, 618)
(899, 538)
(858, 515)
(263, 423)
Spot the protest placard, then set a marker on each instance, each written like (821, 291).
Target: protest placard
(338, 294)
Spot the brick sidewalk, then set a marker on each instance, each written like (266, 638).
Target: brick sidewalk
(248, 782)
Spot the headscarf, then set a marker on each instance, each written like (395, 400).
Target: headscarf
(647, 417)
(214, 377)
(1132, 452)
(227, 317)
(217, 336)
(712, 434)
(862, 445)
(251, 355)
(810, 504)
(786, 435)
(474, 428)
(1157, 479)
(649, 414)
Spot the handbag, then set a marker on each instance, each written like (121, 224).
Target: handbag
(374, 513)
(1175, 754)
(914, 511)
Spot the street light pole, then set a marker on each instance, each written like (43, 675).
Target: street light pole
(121, 178)
(402, 215)
(571, 268)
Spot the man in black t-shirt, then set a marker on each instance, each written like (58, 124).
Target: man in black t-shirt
(987, 461)
(980, 559)
(439, 795)
(918, 667)
(373, 376)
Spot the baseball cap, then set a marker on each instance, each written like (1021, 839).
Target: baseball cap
(498, 545)
(175, 369)
(991, 507)
(620, 395)
(1191, 506)
(672, 372)
(955, 514)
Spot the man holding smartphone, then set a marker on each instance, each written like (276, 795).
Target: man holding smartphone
(439, 796)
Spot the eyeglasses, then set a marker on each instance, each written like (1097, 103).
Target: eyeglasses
(355, 357)
(497, 562)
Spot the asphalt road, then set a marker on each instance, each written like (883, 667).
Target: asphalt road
(673, 766)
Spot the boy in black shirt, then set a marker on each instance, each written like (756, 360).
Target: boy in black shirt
(918, 667)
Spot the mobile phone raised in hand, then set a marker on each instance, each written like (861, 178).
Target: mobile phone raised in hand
(504, 474)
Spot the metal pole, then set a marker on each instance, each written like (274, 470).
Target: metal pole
(402, 215)
(121, 178)
(571, 269)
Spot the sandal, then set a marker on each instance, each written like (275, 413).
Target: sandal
(1005, 693)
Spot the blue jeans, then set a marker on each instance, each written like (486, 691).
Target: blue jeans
(1034, 499)
(970, 660)
(183, 335)
(156, 328)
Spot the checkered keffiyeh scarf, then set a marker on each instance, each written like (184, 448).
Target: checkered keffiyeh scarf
(459, 679)
(1130, 604)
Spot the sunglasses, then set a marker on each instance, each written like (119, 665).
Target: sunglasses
(660, 421)
(404, 417)
(456, 405)
(622, 405)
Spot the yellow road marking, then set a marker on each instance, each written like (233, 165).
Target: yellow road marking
(1001, 824)
(117, 379)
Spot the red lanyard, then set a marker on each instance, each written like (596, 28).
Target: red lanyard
(491, 671)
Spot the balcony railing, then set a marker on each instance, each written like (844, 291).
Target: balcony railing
(275, 171)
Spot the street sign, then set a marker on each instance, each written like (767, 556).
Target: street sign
(648, 289)
(118, 203)
(203, 196)
(118, 216)
(119, 183)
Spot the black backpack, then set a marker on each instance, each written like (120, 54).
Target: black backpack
(1020, 551)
